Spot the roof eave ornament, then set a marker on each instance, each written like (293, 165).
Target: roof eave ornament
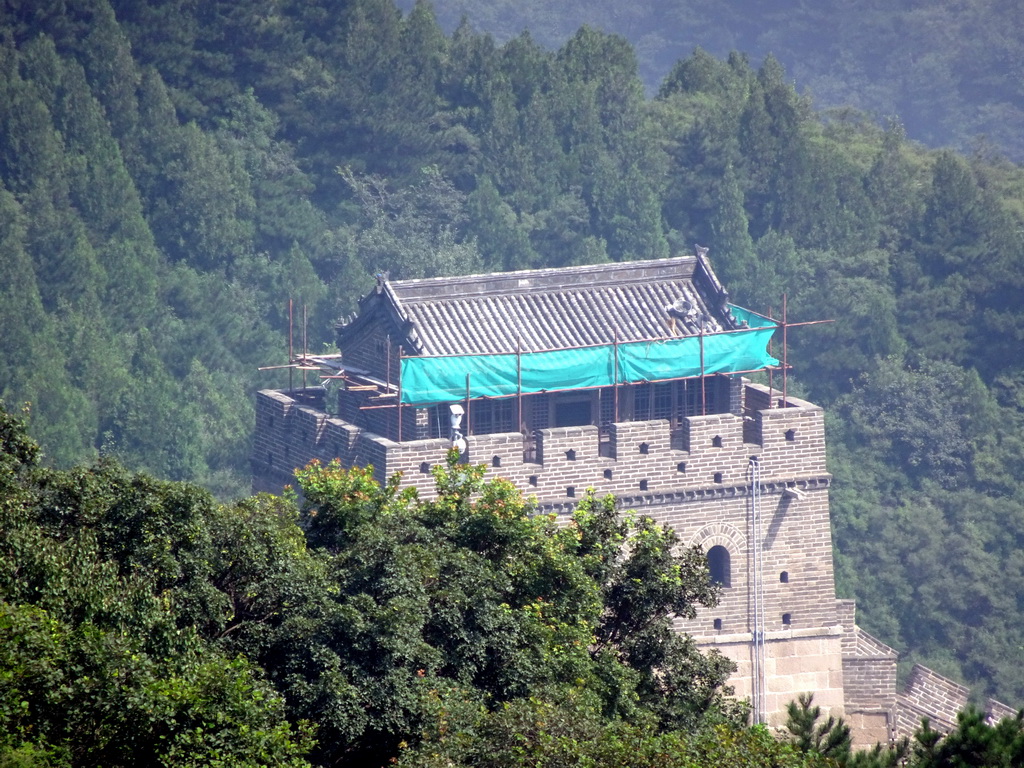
(719, 289)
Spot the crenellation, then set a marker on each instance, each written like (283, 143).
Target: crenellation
(715, 461)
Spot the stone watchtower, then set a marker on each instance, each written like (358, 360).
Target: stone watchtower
(627, 378)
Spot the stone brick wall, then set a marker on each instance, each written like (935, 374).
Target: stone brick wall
(796, 661)
(846, 612)
(796, 555)
(869, 666)
(870, 674)
(996, 711)
(926, 693)
(790, 447)
(368, 351)
(702, 491)
(877, 710)
(701, 488)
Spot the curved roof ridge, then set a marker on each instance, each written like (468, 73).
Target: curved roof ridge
(552, 308)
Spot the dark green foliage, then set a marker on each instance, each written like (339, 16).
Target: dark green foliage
(413, 232)
(470, 605)
(931, 416)
(105, 598)
(949, 69)
(830, 738)
(974, 742)
(568, 733)
(141, 623)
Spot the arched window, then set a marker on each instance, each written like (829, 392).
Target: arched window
(719, 565)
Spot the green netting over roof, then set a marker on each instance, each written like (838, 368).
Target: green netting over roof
(426, 380)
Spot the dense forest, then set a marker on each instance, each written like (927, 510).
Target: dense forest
(171, 173)
(951, 70)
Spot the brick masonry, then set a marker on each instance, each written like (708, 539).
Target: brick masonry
(702, 488)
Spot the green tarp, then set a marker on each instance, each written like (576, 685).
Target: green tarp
(426, 380)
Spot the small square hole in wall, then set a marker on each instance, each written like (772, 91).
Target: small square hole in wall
(271, 422)
(790, 435)
(645, 448)
(607, 474)
(533, 480)
(681, 467)
(718, 477)
(425, 468)
(784, 577)
(643, 485)
(570, 455)
(787, 619)
(570, 491)
(496, 461)
(718, 624)
(716, 441)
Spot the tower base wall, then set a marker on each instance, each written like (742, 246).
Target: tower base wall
(795, 662)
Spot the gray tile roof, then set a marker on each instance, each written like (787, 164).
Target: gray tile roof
(554, 308)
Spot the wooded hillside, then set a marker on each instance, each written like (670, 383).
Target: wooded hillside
(173, 172)
(952, 71)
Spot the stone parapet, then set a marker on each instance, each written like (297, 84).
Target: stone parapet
(929, 694)
(795, 661)
(557, 465)
(996, 711)
(870, 674)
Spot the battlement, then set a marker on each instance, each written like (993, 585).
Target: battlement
(558, 464)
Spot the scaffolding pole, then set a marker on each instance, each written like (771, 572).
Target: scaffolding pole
(703, 391)
(304, 347)
(615, 374)
(759, 676)
(771, 386)
(785, 351)
(519, 380)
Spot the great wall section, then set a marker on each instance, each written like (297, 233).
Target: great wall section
(701, 485)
